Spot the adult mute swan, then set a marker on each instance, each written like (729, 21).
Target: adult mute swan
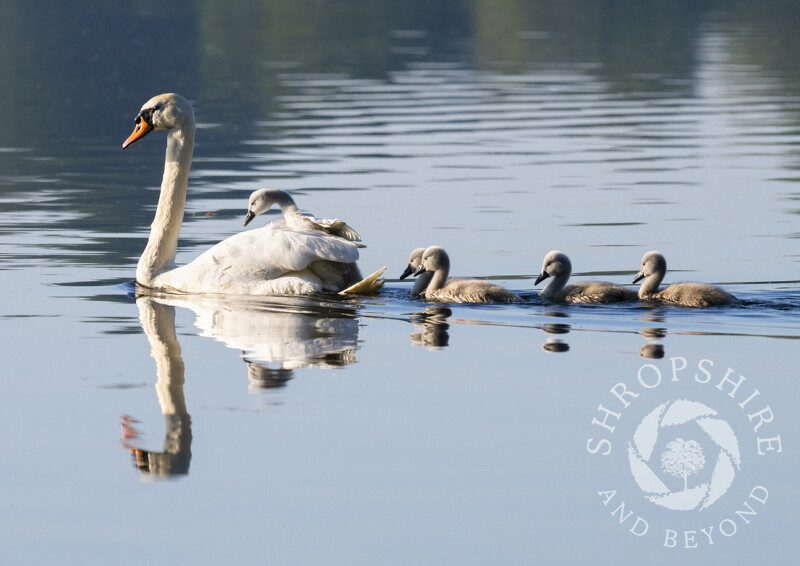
(557, 265)
(263, 199)
(270, 260)
(444, 290)
(654, 267)
(423, 279)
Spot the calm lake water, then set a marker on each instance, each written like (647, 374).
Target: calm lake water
(386, 430)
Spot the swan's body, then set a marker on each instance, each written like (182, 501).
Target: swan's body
(444, 290)
(558, 266)
(268, 261)
(262, 200)
(654, 267)
(423, 279)
(271, 260)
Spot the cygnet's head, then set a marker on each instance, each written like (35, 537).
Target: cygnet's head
(414, 261)
(433, 259)
(262, 200)
(652, 262)
(555, 263)
(162, 112)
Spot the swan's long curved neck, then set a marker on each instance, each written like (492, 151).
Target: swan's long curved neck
(421, 284)
(159, 254)
(439, 277)
(286, 202)
(557, 283)
(651, 283)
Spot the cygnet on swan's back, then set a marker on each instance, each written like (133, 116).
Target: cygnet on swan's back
(422, 280)
(654, 267)
(262, 200)
(444, 290)
(557, 265)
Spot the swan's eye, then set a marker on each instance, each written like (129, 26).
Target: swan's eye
(146, 115)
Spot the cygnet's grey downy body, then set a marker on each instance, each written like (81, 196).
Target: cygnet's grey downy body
(263, 199)
(654, 267)
(443, 290)
(557, 265)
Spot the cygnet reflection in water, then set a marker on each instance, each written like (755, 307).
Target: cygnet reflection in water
(555, 328)
(654, 267)
(434, 333)
(652, 351)
(554, 345)
(653, 333)
(551, 344)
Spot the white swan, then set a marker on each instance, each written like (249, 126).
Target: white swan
(423, 279)
(263, 199)
(444, 290)
(557, 265)
(270, 260)
(654, 267)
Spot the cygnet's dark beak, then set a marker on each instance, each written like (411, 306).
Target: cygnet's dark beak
(409, 270)
(639, 277)
(248, 217)
(542, 277)
(420, 269)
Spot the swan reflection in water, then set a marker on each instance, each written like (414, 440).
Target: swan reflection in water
(158, 323)
(276, 337)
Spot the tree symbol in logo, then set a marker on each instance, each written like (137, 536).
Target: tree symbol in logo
(684, 458)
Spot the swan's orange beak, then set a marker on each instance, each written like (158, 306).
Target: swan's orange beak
(141, 129)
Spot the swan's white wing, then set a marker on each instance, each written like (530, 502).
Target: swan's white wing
(331, 226)
(255, 261)
(339, 228)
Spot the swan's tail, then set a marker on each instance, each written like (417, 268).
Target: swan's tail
(367, 286)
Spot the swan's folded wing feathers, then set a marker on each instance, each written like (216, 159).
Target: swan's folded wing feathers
(276, 248)
(256, 255)
(339, 228)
